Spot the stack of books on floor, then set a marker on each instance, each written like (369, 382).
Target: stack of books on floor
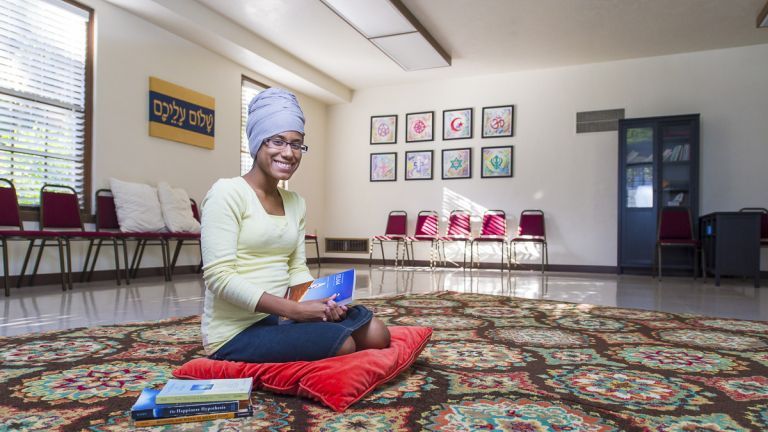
(184, 401)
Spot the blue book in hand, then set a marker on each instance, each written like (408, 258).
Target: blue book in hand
(146, 407)
(342, 284)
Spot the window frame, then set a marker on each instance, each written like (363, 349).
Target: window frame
(244, 118)
(32, 213)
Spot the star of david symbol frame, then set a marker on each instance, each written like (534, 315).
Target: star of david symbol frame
(457, 163)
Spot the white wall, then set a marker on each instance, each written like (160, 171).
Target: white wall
(573, 178)
(128, 51)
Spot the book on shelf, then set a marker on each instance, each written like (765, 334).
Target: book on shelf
(248, 412)
(216, 390)
(341, 284)
(146, 407)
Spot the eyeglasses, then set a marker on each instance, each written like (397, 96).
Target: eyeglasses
(280, 144)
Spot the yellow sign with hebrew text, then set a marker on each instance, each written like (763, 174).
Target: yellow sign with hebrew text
(180, 114)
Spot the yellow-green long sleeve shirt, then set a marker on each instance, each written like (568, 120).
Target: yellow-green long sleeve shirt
(246, 253)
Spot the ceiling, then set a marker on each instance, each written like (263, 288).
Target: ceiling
(482, 36)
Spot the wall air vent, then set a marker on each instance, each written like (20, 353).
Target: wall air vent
(598, 121)
(346, 245)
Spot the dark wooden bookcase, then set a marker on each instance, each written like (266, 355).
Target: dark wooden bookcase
(658, 167)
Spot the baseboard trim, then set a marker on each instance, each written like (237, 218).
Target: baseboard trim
(565, 268)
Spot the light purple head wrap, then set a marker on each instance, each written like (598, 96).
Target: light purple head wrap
(272, 112)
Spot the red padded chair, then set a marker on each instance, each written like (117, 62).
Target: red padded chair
(531, 230)
(182, 237)
(10, 216)
(427, 230)
(493, 230)
(312, 238)
(106, 220)
(60, 212)
(397, 225)
(459, 230)
(676, 230)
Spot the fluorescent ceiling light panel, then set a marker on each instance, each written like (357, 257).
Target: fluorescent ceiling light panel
(411, 51)
(372, 18)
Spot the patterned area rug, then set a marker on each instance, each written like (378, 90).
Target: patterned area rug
(494, 363)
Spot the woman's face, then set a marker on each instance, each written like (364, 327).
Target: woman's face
(280, 162)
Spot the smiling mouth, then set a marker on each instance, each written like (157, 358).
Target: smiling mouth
(283, 165)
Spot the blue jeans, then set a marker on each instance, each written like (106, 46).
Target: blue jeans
(267, 341)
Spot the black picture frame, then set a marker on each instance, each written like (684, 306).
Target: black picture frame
(408, 126)
(371, 172)
(449, 124)
(443, 161)
(511, 162)
(379, 121)
(503, 134)
(431, 165)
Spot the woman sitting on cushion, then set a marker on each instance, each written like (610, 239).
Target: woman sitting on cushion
(253, 251)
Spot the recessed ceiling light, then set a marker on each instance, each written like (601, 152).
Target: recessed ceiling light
(392, 28)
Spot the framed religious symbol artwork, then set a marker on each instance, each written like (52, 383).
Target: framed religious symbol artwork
(457, 124)
(384, 129)
(457, 163)
(419, 126)
(383, 167)
(418, 165)
(496, 162)
(498, 121)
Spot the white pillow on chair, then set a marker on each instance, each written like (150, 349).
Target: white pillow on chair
(177, 209)
(137, 206)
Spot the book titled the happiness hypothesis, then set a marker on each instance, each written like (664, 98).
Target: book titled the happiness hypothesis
(341, 284)
(216, 390)
(146, 407)
(248, 412)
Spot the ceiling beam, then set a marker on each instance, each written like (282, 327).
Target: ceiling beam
(196, 23)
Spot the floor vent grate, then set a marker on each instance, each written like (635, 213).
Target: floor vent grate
(346, 245)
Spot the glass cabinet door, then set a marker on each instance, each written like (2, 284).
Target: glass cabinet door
(639, 167)
(675, 147)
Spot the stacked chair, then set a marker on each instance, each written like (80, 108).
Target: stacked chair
(531, 230)
(397, 225)
(312, 238)
(493, 230)
(459, 230)
(676, 230)
(427, 230)
(181, 238)
(60, 212)
(10, 216)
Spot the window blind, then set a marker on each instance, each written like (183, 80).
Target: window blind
(249, 90)
(43, 48)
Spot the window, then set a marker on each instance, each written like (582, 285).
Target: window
(250, 88)
(45, 97)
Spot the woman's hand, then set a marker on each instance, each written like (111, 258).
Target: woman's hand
(319, 310)
(334, 312)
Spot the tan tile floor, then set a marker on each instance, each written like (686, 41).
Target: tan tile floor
(45, 308)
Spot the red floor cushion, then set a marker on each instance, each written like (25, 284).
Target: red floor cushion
(337, 382)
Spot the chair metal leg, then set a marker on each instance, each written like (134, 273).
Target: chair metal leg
(26, 261)
(62, 265)
(383, 260)
(658, 264)
(93, 264)
(543, 254)
(6, 279)
(176, 251)
(125, 261)
(69, 263)
(166, 250)
(137, 255)
(37, 262)
(117, 261)
(84, 272)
